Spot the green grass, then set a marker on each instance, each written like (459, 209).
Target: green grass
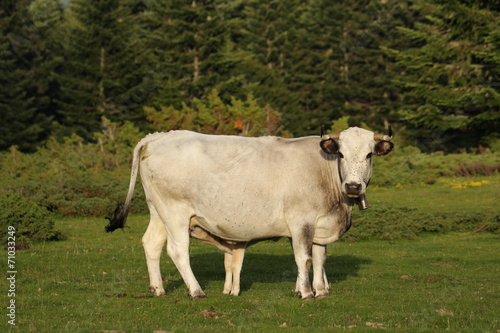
(472, 194)
(95, 282)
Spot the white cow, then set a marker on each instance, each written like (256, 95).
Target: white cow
(230, 190)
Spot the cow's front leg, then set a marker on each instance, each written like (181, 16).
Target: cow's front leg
(302, 247)
(320, 282)
(153, 240)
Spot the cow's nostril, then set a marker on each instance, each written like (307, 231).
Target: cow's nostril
(353, 188)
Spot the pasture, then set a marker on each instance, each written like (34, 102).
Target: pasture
(97, 282)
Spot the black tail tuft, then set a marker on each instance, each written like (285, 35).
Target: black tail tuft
(117, 221)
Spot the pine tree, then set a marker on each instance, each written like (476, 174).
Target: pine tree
(21, 123)
(450, 101)
(281, 64)
(47, 17)
(104, 65)
(185, 36)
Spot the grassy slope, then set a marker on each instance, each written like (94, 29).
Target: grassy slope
(96, 281)
(474, 194)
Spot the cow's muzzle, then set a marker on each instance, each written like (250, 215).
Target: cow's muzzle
(353, 190)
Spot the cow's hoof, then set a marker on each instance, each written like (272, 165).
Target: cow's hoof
(157, 291)
(198, 295)
(308, 297)
(321, 294)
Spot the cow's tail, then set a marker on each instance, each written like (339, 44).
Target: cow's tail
(121, 212)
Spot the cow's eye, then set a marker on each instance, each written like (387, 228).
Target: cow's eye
(369, 155)
(341, 155)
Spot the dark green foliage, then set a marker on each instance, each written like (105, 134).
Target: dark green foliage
(449, 75)
(105, 64)
(31, 222)
(390, 223)
(75, 178)
(18, 121)
(22, 123)
(428, 67)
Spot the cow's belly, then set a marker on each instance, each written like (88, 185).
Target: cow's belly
(240, 224)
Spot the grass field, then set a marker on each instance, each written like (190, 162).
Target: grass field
(97, 282)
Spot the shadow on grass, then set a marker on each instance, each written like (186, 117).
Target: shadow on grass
(268, 268)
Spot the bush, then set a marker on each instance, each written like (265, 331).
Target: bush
(212, 116)
(388, 223)
(467, 169)
(74, 177)
(407, 165)
(31, 221)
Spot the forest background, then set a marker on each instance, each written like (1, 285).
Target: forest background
(430, 68)
(82, 82)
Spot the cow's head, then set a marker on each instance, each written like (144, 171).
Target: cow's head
(355, 148)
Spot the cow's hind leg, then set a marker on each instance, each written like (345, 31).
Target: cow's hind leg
(153, 240)
(228, 264)
(236, 265)
(178, 250)
(320, 282)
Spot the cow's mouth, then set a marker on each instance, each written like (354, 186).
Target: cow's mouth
(353, 190)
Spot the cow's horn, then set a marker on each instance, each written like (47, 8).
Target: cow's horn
(335, 136)
(324, 136)
(383, 137)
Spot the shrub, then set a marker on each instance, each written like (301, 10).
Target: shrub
(407, 165)
(388, 223)
(31, 221)
(467, 169)
(74, 177)
(212, 116)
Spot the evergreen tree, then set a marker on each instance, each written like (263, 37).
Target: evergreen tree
(21, 123)
(103, 65)
(47, 18)
(281, 64)
(450, 100)
(186, 37)
(430, 67)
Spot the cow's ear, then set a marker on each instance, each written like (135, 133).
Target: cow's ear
(383, 148)
(329, 146)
